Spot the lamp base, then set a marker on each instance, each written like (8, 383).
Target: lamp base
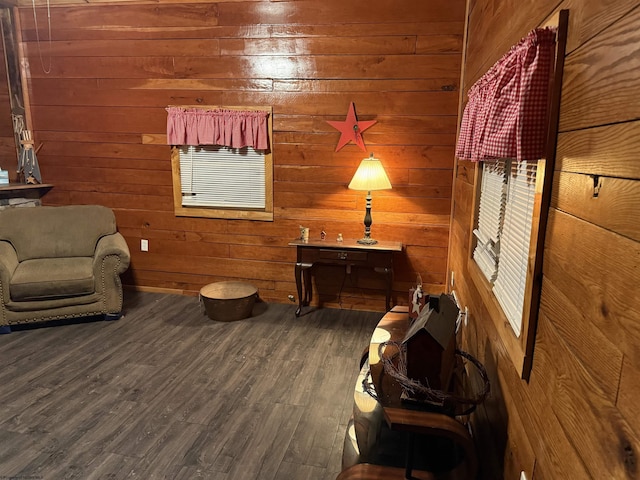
(367, 241)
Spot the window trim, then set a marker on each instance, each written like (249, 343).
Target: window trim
(265, 214)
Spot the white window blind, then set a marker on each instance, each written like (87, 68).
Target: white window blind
(222, 177)
(515, 240)
(490, 218)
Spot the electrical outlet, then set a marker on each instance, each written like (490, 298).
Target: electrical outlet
(144, 245)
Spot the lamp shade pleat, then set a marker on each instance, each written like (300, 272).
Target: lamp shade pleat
(370, 176)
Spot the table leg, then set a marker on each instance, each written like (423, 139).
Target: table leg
(299, 287)
(308, 286)
(303, 282)
(388, 275)
(409, 457)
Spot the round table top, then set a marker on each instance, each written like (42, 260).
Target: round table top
(228, 290)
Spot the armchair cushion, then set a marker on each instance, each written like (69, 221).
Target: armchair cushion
(48, 278)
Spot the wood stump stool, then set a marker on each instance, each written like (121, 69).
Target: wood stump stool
(228, 301)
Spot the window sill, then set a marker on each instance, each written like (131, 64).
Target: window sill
(224, 214)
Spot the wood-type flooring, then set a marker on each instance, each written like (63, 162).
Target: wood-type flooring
(167, 393)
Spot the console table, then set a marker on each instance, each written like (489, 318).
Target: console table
(349, 253)
(389, 409)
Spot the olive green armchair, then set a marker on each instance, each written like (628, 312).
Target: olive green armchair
(59, 263)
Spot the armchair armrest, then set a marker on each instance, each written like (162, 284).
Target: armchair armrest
(113, 244)
(437, 424)
(8, 264)
(111, 258)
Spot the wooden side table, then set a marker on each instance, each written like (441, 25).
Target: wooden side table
(349, 253)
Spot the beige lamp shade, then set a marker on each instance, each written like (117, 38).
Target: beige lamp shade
(370, 176)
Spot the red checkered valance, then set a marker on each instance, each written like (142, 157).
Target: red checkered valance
(232, 128)
(507, 110)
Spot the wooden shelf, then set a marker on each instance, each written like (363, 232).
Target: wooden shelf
(20, 190)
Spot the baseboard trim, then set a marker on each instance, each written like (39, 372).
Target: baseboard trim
(176, 291)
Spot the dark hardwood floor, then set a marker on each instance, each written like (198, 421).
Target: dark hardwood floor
(164, 392)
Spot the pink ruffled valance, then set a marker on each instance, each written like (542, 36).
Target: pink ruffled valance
(506, 115)
(231, 128)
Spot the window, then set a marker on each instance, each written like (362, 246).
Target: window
(219, 180)
(510, 124)
(505, 219)
(505, 252)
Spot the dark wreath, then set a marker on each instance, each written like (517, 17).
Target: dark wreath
(416, 389)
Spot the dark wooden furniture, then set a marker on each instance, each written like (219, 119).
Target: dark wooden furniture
(404, 417)
(349, 253)
(13, 190)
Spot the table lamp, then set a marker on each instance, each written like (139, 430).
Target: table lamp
(369, 176)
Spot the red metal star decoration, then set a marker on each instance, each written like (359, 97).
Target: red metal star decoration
(351, 129)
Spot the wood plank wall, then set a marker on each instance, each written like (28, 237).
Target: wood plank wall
(579, 416)
(114, 69)
(8, 153)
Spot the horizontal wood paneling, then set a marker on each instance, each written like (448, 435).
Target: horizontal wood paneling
(519, 455)
(578, 411)
(578, 402)
(586, 21)
(600, 79)
(91, 17)
(132, 118)
(597, 353)
(597, 280)
(610, 202)
(100, 116)
(8, 153)
(555, 456)
(417, 28)
(309, 11)
(273, 66)
(487, 20)
(604, 150)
